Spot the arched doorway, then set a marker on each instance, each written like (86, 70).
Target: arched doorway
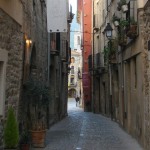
(71, 93)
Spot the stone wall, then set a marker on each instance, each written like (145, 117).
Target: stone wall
(11, 39)
(145, 28)
(34, 28)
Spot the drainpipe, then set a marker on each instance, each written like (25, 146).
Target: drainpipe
(48, 69)
(93, 85)
(110, 85)
(122, 87)
(124, 77)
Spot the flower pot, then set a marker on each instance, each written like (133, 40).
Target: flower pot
(124, 8)
(25, 147)
(116, 23)
(132, 32)
(133, 28)
(38, 138)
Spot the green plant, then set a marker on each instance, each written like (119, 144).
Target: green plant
(123, 2)
(110, 50)
(11, 133)
(123, 23)
(37, 98)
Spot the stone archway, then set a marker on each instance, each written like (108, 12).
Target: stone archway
(72, 93)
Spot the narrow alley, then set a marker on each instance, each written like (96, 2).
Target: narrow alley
(88, 131)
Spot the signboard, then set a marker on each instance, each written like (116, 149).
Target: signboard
(57, 15)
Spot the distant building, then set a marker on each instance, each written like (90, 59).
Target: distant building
(60, 55)
(75, 75)
(84, 18)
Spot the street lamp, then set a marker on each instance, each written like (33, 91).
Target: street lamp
(108, 31)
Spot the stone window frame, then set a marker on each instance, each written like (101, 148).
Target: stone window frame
(3, 59)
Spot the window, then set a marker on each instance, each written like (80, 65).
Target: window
(72, 69)
(53, 41)
(72, 80)
(135, 72)
(72, 60)
(3, 61)
(78, 40)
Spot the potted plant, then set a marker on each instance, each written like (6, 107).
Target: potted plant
(11, 132)
(123, 23)
(110, 51)
(119, 6)
(122, 39)
(25, 140)
(115, 20)
(132, 31)
(37, 96)
(122, 5)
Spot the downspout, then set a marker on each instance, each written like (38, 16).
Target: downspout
(110, 85)
(93, 85)
(48, 79)
(124, 77)
(48, 58)
(83, 48)
(122, 86)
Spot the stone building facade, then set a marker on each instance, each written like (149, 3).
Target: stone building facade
(23, 39)
(60, 56)
(26, 52)
(75, 75)
(59, 60)
(11, 57)
(121, 69)
(145, 33)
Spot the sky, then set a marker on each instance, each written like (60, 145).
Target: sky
(74, 5)
(74, 24)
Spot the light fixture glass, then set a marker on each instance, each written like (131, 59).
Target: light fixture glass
(28, 41)
(108, 31)
(109, 34)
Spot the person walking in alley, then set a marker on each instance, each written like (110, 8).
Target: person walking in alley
(77, 100)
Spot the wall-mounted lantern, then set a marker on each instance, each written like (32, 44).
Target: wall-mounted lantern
(108, 30)
(28, 42)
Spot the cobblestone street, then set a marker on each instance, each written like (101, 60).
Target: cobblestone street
(88, 131)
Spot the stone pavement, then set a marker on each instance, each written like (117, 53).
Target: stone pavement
(88, 131)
